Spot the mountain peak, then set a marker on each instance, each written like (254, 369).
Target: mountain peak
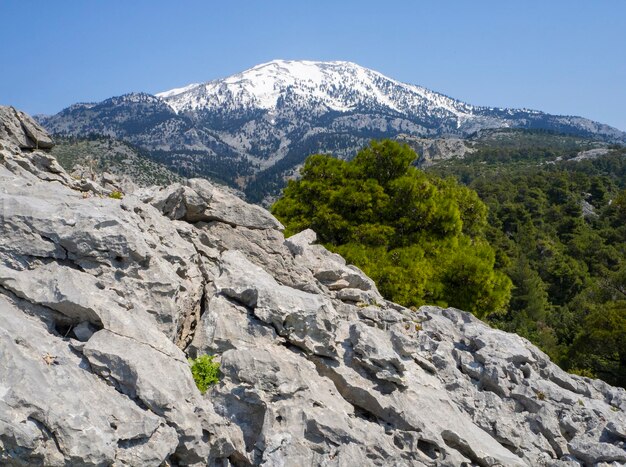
(298, 68)
(305, 63)
(336, 85)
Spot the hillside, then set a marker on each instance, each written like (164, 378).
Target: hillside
(253, 128)
(102, 300)
(556, 217)
(501, 143)
(115, 157)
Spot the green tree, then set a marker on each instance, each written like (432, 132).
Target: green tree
(600, 345)
(568, 269)
(421, 238)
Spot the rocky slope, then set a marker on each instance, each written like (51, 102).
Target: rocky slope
(101, 300)
(433, 150)
(112, 156)
(252, 128)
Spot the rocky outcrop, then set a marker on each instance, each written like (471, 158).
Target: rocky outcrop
(17, 128)
(435, 150)
(102, 300)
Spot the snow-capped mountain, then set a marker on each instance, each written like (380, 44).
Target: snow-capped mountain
(338, 86)
(253, 127)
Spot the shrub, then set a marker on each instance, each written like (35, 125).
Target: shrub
(116, 194)
(205, 371)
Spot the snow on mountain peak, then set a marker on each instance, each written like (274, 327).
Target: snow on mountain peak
(284, 110)
(176, 91)
(337, 85)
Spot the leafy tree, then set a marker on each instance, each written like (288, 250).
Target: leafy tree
(421, 238)
(600, 345)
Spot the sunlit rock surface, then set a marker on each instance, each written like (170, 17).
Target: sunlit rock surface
(102, 300)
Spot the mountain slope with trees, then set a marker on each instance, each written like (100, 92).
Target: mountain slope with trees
(558, 223)
(535, 242)
(101, 154)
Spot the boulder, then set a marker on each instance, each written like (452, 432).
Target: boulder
(199, 200)
(328, 268)
(19, 129)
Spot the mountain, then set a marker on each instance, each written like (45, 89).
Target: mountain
(253, 128)
(102, 300)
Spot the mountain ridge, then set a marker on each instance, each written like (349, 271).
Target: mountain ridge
(315, 72)
(264, 121)
(306, 69)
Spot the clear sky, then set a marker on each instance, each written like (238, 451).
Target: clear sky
(559, 56)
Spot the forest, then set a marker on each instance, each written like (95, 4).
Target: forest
(559, 228)
(527, 238)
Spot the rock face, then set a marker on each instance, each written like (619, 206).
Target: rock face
(434, 150)
(102, 300)
(19, 129)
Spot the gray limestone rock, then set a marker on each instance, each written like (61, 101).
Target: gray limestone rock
(54, 411)
(376, 354)
(102, 301)
(329, 268)
(19, 129)
(304, 319)
(200, 200)
(265, 248)
(596, 452)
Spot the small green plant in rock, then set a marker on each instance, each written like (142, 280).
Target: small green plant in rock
(205, 371)
(116, 194)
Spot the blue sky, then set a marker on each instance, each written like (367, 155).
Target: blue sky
(566, 57)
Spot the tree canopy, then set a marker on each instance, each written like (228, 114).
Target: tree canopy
(419, 237)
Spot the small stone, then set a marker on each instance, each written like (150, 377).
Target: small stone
(49, 359)
(83, 331)
(338, 285)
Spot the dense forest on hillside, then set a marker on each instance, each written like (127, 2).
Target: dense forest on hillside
(551, 224)
(558, 224)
